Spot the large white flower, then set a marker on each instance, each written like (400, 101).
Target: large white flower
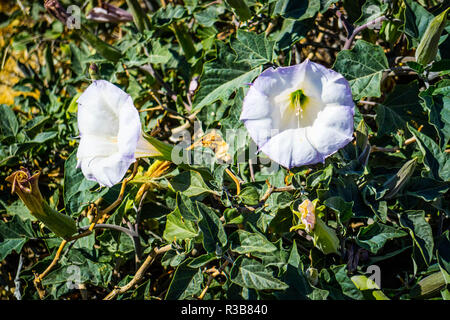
(110, 130)
(299, 115)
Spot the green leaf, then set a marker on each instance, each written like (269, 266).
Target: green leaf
(343, 208)
(296, 9)
(166, 15)
(242, 242)
(438, 107)
(374, 236)
(426, 188)
(417, 19)
(249, 273)
(299, 288)
(187, 209)
(179, 228)
(291, 31)
(362, 66)
(443, 251)
(223, 76)
(190, 183)
(14, 235)
(436, 160)
(213, 233)
(420, 232)
(400, 106)
(252, 48)
(9, 126)
(202, 260)
(249, 196)
(186, 282)
(347, 286)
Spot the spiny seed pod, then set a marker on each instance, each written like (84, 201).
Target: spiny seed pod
(428, 46)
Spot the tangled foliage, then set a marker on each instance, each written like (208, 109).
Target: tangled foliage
(210, 229)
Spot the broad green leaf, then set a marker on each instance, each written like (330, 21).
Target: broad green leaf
(166, 15)
(213, 233)
(420, 232)
(14, 235)
(249, 196)
(437, 161)
(249, 273)
(223, 76)
(371, 10)
(417, 19)
(187, 209)
(242, 242)
(190, 183)
(177, 228)
(186, 282)
(365, 284)
(347, 286)
(296, 9)
(202, 260)
(400, 106)
(343, 208)
(9, 126)
(362, 66)
(252, 48)
(374, 236)
(299, 288)
(426, 188)
(438, 107)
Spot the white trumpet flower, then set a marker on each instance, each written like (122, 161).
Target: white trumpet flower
(111, 136)
(299, 115)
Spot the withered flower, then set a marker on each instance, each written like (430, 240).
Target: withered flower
(26, 186)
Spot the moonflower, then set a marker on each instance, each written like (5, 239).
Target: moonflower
(110, 130)
(299, 115)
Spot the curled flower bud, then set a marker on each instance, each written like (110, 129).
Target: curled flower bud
(324, 237)
(26, 186)
(109, 13)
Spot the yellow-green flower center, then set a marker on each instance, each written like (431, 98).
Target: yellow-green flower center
(298, 101)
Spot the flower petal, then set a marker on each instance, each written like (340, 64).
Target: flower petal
(96, 146)
(99, 106)
(255, 105)
(259, 130)
(332, 130)
(291, 148)
(107, 171)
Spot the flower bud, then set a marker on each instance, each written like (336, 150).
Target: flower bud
(26, 186)
(428, 46)
(312, 274)
(324, 237)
